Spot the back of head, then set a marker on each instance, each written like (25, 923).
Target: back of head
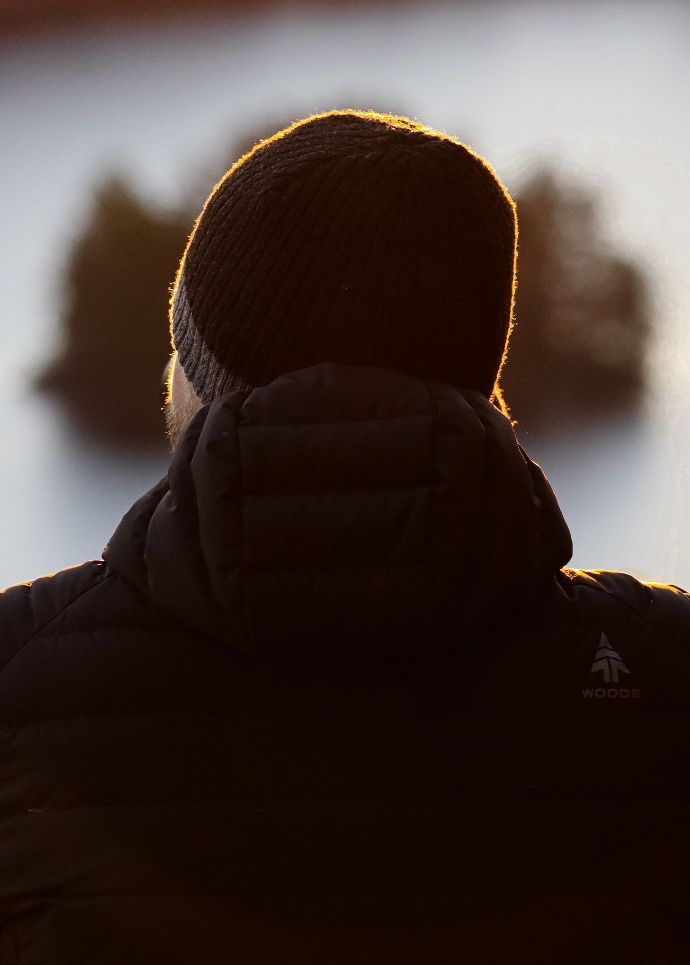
(355, 238)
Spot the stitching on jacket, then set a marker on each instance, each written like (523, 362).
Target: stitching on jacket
(655, 624)
(433, 434)
(248, 624)
(81, 593)
(145, 715)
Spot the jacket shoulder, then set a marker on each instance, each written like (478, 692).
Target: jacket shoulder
(663, 606)
(27, 608)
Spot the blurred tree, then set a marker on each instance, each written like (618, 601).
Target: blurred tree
(583, 312)
(579, 347)
(116, 341)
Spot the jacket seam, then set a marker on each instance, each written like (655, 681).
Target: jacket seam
(34, 633)
(653, 624)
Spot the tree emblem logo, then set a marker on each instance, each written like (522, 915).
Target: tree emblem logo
(608, 661)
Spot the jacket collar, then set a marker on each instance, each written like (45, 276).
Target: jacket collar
(345, 507)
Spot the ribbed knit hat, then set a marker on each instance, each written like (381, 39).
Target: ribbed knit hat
(355, 238)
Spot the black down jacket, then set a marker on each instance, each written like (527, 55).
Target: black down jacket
(330, 698)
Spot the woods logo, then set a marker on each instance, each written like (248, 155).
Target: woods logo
(610, 665)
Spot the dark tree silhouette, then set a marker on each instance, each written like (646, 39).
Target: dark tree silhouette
(578, 351)
(116, 290)
(583, 312)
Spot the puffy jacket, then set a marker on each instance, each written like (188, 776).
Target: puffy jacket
(331, 698)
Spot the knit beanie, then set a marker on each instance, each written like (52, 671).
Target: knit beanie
(355, 238)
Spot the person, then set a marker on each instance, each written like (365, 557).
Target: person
(331, 695)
